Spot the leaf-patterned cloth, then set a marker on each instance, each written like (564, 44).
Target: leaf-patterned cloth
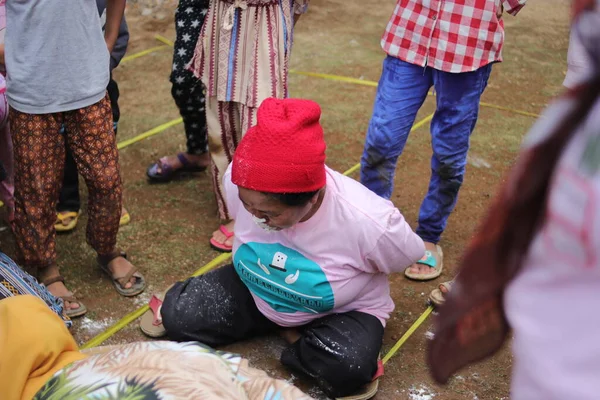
(165, 370)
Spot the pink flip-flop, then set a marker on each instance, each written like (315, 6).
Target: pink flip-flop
(151, 322)
(219, 246)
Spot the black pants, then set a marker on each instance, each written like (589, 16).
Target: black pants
(187, 90)
(340, 350)
(68, 199)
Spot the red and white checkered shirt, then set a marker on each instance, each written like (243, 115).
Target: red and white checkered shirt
(448, 35)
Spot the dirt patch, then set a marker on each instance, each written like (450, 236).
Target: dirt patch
(171, 224)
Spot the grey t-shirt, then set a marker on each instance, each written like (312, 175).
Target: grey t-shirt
(56, 56)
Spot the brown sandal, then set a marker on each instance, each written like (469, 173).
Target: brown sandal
(69, 312)
(119, 282)
(437, 297)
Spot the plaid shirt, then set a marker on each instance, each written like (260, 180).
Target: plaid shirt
(448, 35)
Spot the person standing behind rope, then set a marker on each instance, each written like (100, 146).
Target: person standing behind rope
(188, 93)
(242, 58)
(57, 64)
(67, 210)
(450, 45)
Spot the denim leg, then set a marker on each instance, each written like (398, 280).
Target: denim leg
(457, 108)
(401, 92)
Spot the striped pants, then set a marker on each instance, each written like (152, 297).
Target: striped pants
(227, 123)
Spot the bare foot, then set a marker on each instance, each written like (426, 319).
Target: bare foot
(422, 269)
(57, 289)
(201, 160)
(220, 237)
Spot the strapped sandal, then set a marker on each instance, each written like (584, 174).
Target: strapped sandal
(60, 226)
(429, 260)
(162, 172)
(221, 246)
(119, 282)
(151, 322)
(369, 390)
(69, 312)
(436, 297)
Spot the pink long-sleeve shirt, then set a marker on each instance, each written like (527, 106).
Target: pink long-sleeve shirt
(337, 261)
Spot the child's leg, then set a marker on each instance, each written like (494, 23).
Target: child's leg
(215, 309)
(340, 351)
(92, 142)
(39, 151)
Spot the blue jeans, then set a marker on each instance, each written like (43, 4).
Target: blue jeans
(402, 90)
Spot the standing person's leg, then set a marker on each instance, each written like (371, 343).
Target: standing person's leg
(93, 144)
(69, 202)
(113, 94)
(215, 309)
(6, 159)
(188, 93)
(457, 100)
(224, 133)
(340, 351)
(37, 184)
(401, 92)
(222, 239)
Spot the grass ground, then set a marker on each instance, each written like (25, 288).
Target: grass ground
(168, 236)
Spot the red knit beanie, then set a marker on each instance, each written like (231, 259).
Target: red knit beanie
(285, 151)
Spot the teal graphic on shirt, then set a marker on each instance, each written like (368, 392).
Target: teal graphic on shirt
(284, 278)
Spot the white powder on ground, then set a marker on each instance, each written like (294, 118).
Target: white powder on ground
(144, 298)
(420, 393)
(93, 327)
(477, 161)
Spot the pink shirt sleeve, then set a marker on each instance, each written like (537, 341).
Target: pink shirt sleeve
(397, 248)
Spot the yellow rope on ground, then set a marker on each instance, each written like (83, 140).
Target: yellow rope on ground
(408, 334)
(163, 39)
(151, 132)
(143, 53)
(129, 318)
